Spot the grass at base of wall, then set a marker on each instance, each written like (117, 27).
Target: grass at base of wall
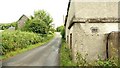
(66, 60)
(18, 51)
(65, 57)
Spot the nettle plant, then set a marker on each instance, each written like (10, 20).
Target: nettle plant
(107, 62)
(81, 61)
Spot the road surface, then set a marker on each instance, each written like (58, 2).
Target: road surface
(46, 55)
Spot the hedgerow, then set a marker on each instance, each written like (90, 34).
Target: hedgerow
(12, 40)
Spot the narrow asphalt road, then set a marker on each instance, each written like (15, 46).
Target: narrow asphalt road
(46, 55)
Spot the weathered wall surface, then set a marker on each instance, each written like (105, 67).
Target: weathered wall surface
(91, 38)
(113, 45)
(91, 44)
(102, 28)
(96, 9)
(78, 33)
(96, 0)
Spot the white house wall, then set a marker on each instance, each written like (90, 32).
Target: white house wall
(103, 28)
(96, 0)
(70, 15)
(84, 40)
(96, 9)
(94, 44)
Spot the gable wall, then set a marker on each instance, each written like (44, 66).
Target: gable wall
(22, 21)
(96, 9)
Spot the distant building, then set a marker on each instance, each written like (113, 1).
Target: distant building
(22, 21)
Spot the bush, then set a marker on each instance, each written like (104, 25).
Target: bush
(39, 23)
(106, 63)
(81, 61)
(61, 29)
(6, 26)
(63, 33)
(12, 40)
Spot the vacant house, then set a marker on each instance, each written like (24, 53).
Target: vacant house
(87, 25)
(22, 21)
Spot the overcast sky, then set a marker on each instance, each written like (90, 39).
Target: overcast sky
(11, 10)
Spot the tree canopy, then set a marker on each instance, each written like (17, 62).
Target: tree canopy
(6, 26)
(39, 23)
(61, 29)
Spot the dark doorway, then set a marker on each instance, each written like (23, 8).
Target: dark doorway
(67, 39)
(71, 41)
(107, 44)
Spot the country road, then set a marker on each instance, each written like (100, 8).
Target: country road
(46, 55)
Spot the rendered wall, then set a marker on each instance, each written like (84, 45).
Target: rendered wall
(113, 45)
(84, 40)
(91, 44)
(70, 15)
(96, 9)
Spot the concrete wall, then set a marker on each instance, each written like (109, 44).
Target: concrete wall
(113, 45)
(96, 0)
(103, 28)
(90, 38)
(94, 44)
(71, 13)
(91, 44)
(98, 9)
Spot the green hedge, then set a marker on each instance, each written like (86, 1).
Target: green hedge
(12, 40)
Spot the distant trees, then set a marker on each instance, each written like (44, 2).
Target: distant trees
(61, 29)
(6, 26)
(39, 23)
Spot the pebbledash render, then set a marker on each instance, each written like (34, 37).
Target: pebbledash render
(87, 24)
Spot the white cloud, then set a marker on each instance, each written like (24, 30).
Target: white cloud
(11, 10)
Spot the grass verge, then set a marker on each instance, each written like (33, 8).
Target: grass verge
(65, 57)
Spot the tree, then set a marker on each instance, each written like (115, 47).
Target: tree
(61, 29)
(39, 23)
(63, 33)
(6, 26)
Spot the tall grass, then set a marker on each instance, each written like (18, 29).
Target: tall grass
(66, 59)
(65, 55)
